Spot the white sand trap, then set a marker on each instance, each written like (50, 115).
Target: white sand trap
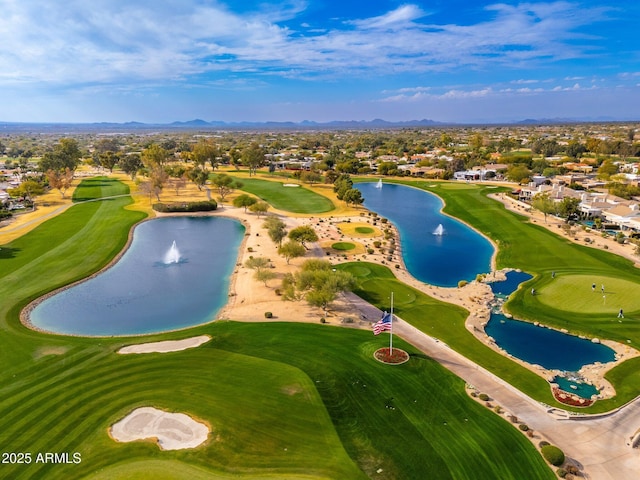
(290, 185)
(166, 346)
(172, 431)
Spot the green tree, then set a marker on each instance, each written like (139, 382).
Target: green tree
(264, 276)
(108, 160)
(198, 176)
(544, 204)
(291, 250)
(260, 208)
(607, 169)
(205, 152)
(225, 184)
(342, 184)
(244, 200)
(317, 282)
(130, 164)
(65, 154)
(567, 206)
(154, 156)
(276, 229)
(253, 157)
(310, 177)
(303, 234)
(353, 196)
(518, 173)
(257, 263)
(27, 189)
(388, 168)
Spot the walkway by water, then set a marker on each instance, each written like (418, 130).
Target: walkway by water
(601, 444)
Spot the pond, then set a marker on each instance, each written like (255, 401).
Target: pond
(537, 345)
(546, 347)
(174, 275)
(436, 249)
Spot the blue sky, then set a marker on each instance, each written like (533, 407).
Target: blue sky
(294, 60)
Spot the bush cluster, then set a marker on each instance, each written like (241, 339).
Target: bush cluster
(205, 206)
(553, 455)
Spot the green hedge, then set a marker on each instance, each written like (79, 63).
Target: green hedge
(186, 207)
(553, 455)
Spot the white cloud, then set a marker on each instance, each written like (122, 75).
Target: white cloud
(398, 18)
(111, 41)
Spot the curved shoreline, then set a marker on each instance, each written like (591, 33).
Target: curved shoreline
(26, 311)
(494, 255)
(469, 297)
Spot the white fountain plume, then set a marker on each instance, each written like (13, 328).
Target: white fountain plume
(439, 230)
(172, 255)
(379, 184)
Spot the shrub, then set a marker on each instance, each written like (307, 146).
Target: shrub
(370, 251)
(377, 243)
(323, 320)
(397, 266)
(497, 409)
(206, 206)
(278, 292)
(268, 315)
(484, 397)
(561, 472)
(553, 455)
(462, 283)
(572, 469)
(524, 427)
(543, 443)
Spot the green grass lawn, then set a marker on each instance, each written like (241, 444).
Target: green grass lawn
(444, 321)
(286, 401)
(574, 294)
(295, 200)
(343, 246)
(538, 251)
(364, 230)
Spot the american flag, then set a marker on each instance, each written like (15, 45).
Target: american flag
(383, 324)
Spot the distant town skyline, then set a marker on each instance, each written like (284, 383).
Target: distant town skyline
(459, 61)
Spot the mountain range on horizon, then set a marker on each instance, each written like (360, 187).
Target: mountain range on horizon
(305, 124)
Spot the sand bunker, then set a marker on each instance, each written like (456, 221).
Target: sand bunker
(172, 431)
(166, 346)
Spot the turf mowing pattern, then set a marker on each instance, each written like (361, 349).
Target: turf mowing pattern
(295, 200)
(284, 401)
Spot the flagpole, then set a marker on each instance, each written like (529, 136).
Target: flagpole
(391, 330)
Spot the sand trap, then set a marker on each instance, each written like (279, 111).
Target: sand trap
(290, 185)
(172, 431)
(166, 346)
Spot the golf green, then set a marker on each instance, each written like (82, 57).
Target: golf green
(295, 200)
(343, 246)
(577, 294)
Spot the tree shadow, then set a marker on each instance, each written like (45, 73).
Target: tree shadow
(8, 252)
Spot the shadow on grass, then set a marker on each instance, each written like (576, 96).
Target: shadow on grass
(6, 252)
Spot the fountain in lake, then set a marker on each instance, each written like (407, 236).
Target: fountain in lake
(439, 230)
(172, 255)
(379, 184)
